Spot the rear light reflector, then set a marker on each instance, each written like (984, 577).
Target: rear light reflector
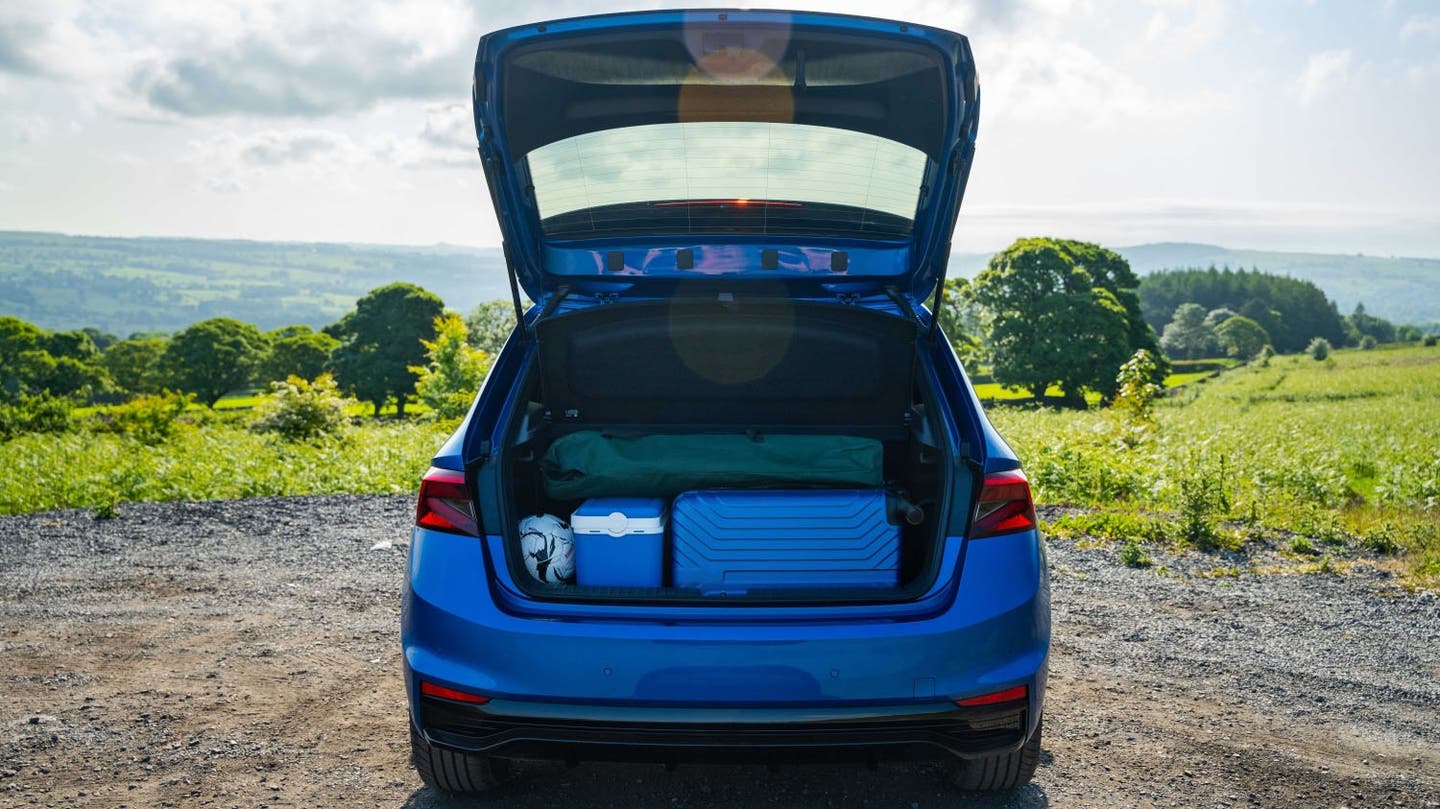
(432, 690)
(445, 503)
(1019, 692)
(1004, 507)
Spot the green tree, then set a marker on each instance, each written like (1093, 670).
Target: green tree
(1319, 348)
(301, 410)
(1241, 337)
(960, 320)
(1360, 325)
(19, 342)
(69, 377)
(1187, 335)
(212, 358)
(134, 365)
(1048, 322)
(489, 325)
(1217, 316)
(76, 345)
(305, 355)
(449, 381)
(1290, 310)
(296, 330)
(1136, 386)
(102, 339)
(34, 361)
(380, 342)
(1110, 271)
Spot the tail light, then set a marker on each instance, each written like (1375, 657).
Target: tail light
(1015, 694)
(430, 689)
(445, 503)
(1004, 507)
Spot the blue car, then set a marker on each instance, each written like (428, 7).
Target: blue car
(727, 494)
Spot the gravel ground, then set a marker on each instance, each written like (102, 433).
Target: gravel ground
(245, 654)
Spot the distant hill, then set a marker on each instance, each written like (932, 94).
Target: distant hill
(1402, 290)
(128, 285)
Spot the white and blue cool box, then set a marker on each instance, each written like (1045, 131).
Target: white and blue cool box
(620, 541)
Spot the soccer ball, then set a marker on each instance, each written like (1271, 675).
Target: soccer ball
(549, 548)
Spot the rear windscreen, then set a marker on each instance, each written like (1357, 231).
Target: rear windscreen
(722, 127)
(726, 175)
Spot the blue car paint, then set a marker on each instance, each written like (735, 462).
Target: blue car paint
(982, 626)
(466, 625)
(541, 266)
(994, 634)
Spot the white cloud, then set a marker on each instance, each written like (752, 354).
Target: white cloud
(231, 162)
(1037, 80)
(1421, 26)
(1183, 27)
(1326, 71)
(1423, 72)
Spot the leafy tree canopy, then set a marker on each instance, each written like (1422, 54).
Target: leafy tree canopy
(1189, 334)
(449, 381)
(960, 320)
(303, 354)
(34, 361)
(1361, 324)
(380, 342)
(1290, 310)
(134, 365)
(17, 339)
(1241, 337)
(489, 325)
(212, 358)
(1049, 323)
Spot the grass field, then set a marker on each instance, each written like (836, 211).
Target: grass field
(1183, 373)
(1335, 452)
(218, 460)
(1342, 450)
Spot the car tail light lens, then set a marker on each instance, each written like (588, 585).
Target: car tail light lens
(445, 503)
(1004, 507)
(1015, 694)
(432, 690)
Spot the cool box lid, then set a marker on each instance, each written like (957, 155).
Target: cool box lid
(618, 516)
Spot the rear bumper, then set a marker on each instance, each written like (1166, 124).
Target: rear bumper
(513, 729)
(743, 680)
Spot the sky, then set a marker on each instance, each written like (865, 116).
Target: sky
(1261, 124)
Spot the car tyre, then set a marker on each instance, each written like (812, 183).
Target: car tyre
(1001, 772)
(453, 771)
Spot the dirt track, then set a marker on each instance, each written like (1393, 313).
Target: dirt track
(245, 654)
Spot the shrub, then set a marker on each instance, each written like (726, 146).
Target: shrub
(1203, 498)
(41, 413)
(1381, 540)
(149, 419)
(1318, 349)
(300, 410)
(1137, 390)
(1264, 356)
(448, 383)
(1368, 343)
(1300, 546)
(1133, 555)
(1430, 340)
(1110, 525)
